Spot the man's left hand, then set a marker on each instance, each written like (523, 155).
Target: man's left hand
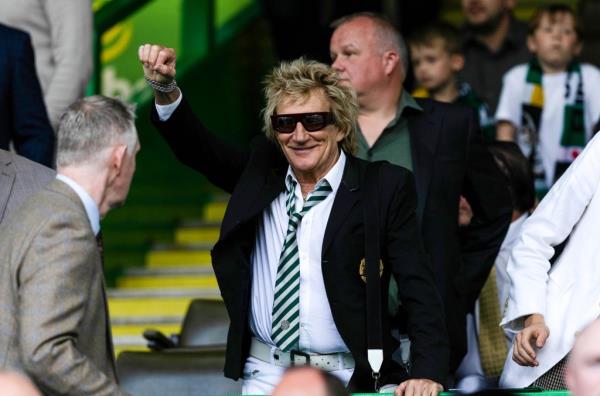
(418, 387)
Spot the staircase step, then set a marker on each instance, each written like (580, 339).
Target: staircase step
(136, 330)
(196, 235)
(133, 340)
(166, 271)
(157, 320)
(214, 211)
(147, 303)
(166, 255)
(148, 307)
(153, 281)
(129, 343)
(127, 347)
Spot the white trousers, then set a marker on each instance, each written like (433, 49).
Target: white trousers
(260, 378)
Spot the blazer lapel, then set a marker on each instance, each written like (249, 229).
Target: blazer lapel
(346, 197)
(260, 191)
(424, 131)
(7, 180)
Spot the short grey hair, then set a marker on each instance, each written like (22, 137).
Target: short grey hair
(388, 36)
(92, 124)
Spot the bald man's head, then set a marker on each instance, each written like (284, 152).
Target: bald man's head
(583, 370)
(13, 384)
(309, 381)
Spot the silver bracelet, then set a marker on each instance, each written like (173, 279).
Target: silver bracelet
(162, 87)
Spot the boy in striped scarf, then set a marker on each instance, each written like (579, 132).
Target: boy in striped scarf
(550, 106)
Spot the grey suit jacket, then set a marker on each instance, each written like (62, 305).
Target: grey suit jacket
(54, 323)
(19, 178)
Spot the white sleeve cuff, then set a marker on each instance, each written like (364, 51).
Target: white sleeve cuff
(165, 111)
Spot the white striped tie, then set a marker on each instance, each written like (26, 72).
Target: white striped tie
(286, 301)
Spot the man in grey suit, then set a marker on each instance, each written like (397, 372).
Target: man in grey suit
(19, 178)
(54, 322)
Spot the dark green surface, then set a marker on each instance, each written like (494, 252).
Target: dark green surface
(224, 90)
(519, 392)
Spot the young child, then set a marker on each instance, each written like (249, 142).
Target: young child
(550, 105)
(436, 57)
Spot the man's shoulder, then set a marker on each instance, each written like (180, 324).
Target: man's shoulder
(24, 167)
(22, 178)
(43, 210)
(53, 202)
(388, 172)
(29, 176)
(433, 108)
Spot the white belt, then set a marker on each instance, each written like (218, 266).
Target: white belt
(327, 362)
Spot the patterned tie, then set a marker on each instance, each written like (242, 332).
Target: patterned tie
(286, 301)
(100, 243)
(492, 343)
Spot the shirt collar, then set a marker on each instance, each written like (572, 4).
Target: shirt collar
(406, 103)
(91, 208)
(333, 177)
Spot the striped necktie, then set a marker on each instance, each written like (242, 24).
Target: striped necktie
(493, 347)
(100, 244)
(286, 301)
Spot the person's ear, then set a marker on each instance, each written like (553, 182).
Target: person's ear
(116, 161)
(457, 62)
(391, 60)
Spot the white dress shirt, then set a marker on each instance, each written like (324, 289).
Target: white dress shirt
(91, 208)
(165, 111)
(318, 332)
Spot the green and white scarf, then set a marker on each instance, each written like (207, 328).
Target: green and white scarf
(487, 122)
(573, 137)
(468, 97)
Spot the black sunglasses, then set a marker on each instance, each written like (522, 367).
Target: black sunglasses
(286, 123)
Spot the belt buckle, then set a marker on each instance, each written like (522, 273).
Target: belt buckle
(295, 352)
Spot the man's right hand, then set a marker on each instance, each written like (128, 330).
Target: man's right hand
(534, 334)
(158, 62)
(159, 65)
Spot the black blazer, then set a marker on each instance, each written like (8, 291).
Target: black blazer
(255, 178)
(24, 121)
(449, 160)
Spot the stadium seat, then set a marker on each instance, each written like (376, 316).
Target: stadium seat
(205, 323)
(179, 371)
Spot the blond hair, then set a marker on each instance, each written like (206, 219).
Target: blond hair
(297, 80)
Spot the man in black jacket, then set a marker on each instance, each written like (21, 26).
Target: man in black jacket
(441, 144)
(24, 120)
(290, 260)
